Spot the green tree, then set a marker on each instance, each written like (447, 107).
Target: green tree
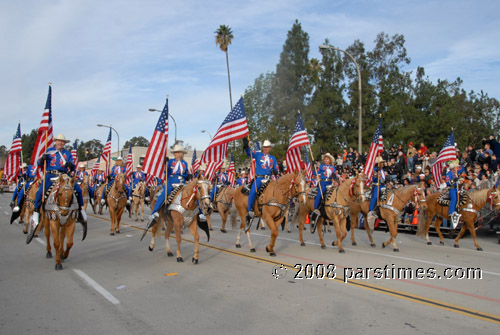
(136, 141)
(94, 147)
(28, 143)
(223, 38)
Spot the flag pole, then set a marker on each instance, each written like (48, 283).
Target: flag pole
(44, 161)
(378, 173)
(165, 182)
(458, 191)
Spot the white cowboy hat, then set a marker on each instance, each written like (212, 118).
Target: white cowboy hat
(418, 167)
(61, 137)
(24, 165)
(119, 158)
(379, 160)
(82, 165)
(266, 143)
(332, 160)
(452, 164)
(139, 166)
(178, 148)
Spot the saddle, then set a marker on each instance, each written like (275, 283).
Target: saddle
(219, 190)
(382, 196)
(246, 189)
(313, 193)
(174, 192)
(444, 198)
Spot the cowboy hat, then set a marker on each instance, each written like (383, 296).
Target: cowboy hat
(139, 166)
(379, 160)
(266, 143)
(119, 158)
(61, 137)
(82, 165)
(332, 160)
(178, 148)
(452, 164)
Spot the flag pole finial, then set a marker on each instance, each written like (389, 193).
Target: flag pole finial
(298, 111)
(167, 96)
(380, 115)
(50, 84)
(452, 129)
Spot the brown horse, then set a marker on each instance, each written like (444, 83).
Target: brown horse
(154, 192)
(84, 185)
(271, 205)
(223, 204)
(29, 206)
(117, 200)
(184, 212)
(336, 208)
(470, 211)
(61, 212)
(138, 200)
(97, 198)
(363, 208)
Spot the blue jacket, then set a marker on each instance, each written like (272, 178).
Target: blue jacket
(264, 164)
(242, 181)
(81, 174)
(176, 174)
(138, 176)
(115, 170)
(222, 178)
(327, 172)
(452, 178)
(57, 160)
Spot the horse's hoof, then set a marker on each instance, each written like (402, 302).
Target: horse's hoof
(142, 220)
(211, 229)
(373, 245)
(272, 254)
(267, 249)
(63, 258)
(25, 232)
(323, 246)
(48, 255)
(169, 254)
(136, 220)
(383, 245)
(429, 243)
(238, 246)
(354, 244)
(118, 232)
(329, 230)
(179, 260)
(59, 267)
(456, 246)
(149, 248)
(195, 261)
(223, 231)
(333, 243)
(35, 236)
(112, 234)
(262, 228)
(479, 249)
(342, 251)
(441, 242)
(302, 244)
(289, 231)
(252, 250)
(395, 250)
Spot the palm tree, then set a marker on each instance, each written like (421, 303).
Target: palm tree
(224, 37)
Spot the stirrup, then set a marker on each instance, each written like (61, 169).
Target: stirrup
(15, 209)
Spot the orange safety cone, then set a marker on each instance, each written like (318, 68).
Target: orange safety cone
(308, 221)
(415, 218)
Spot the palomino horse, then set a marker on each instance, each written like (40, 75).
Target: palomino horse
(61, 212)
(336, 208)
(117, 200)
(223, 204)
(29, 206)
(84, 185)
(271, 205)
(138, 200)
(363, 208)
(184, 212)
(97, 198)
(470, 211)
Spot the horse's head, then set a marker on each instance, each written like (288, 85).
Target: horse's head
(420, 195)
(495, 198)
(203, 189)
(298, 186)
(119, 183)
(64, 193)
(356, 188)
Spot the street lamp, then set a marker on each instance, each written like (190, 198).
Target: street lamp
(170, 115)
(206, 131)
(118, 136)
(324, 46)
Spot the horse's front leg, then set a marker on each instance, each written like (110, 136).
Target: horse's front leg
(46, 228)
(169, 225)
(118, 218)
(142, 210)
(178, 239)
(368, 231)
(69, 232)
(319, 229)
(273, 227)
(194, 231)
(54, 228)
(338, 233)
(391, 223)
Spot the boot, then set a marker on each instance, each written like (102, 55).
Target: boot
(82, 218)
(249, 220)
(103, 202)
(314, 219)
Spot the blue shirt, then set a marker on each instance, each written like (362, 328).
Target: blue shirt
(138, 176)
(177, 171)
(115, 170)
(264, 164)
(81, 174)
(57, 160)
(327, 171)
(452, 177)
(222, 178)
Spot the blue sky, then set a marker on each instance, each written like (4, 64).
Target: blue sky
(109, 61)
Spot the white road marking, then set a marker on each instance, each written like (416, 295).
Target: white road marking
(42, 242)
(382, 254)
(95, 285)
(6, 213)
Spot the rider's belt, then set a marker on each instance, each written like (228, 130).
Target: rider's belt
(55, 172)
(326, 179)
(263, 176)
(176, 185)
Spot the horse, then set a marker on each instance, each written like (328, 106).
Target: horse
(154, 192)
(61, 205)
(271, 205)
(84, 185)
(29, 206)
(223, 204)
(97, 198)
(182, 212)
(336, 208)
(363, 208)
(117, 200)
(138, 200)
(470, 211)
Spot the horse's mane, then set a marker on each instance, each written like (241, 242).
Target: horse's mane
(403, 192)
(479, 197)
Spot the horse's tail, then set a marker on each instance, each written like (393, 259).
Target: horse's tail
(422, 224)
(283, 222)
(204, 226)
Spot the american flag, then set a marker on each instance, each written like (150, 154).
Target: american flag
(195, 163)
(13, 163)
(106, 154)
(129, 166)
(231, 172)
(94, 171)
(233, 128)
(446, 154)
(151, 181)
(293, 154)
(74, 153)
(212, 168)
(154, 162)
(45, 138)
(376, 148)
(309, 170)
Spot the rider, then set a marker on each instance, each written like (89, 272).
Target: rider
(327, 174)
(115, 170)
(28, 177)
(243, 180)
(137, 177)
(81, 173)
(265, 167)
(378, 182)
(21, 180)
(58, 161)
(177, 174)
(220, 180)
(452, 179)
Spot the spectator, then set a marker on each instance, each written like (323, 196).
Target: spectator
(410, 155)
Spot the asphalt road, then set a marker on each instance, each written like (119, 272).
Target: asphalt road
(114, 285)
